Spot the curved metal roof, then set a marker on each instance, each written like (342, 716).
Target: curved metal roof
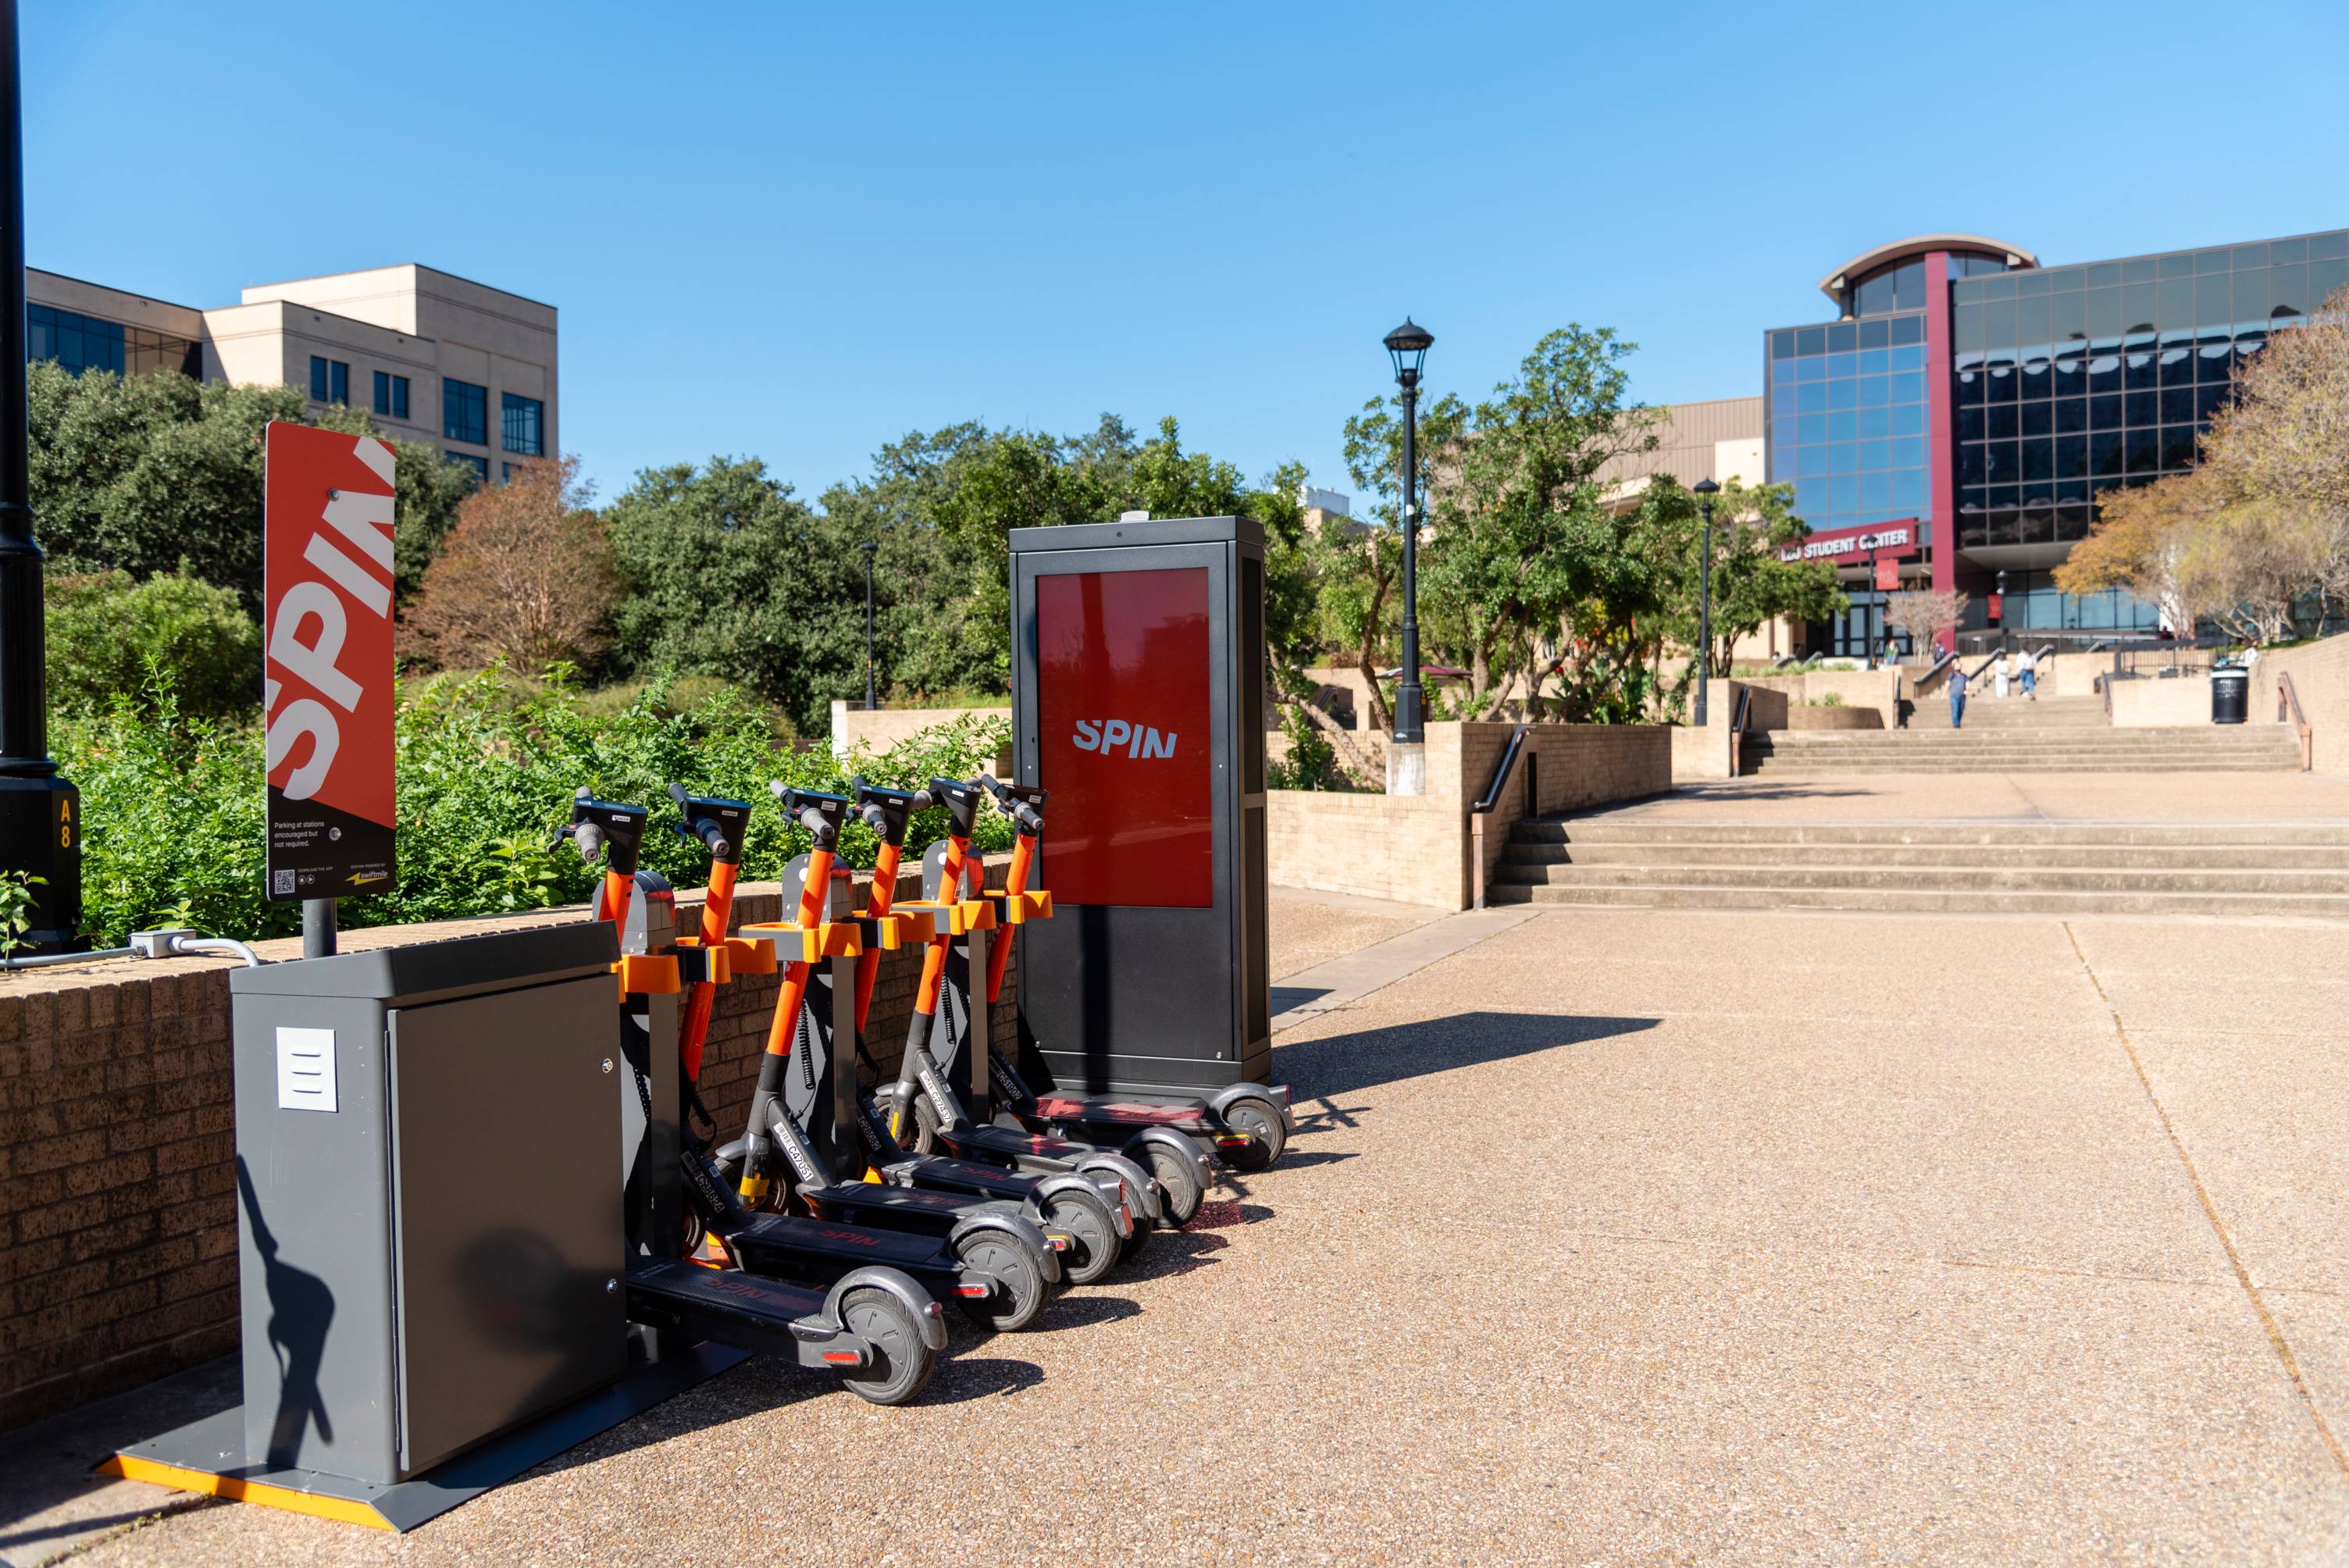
(1834, 283)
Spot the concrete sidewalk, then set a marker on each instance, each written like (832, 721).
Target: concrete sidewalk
(1628, 1236)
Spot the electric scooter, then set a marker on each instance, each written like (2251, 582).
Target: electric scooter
(1246, 1124)
(1179, 1172)
(777, 1168)
(873, 1325)
(924, 1113)
(992, 1263)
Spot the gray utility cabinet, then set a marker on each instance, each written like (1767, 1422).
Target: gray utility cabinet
(428, 1208)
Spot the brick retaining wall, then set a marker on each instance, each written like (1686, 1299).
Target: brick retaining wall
(118, 1215)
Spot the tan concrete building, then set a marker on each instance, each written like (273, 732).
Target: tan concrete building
(1720, 440)
(436, 358)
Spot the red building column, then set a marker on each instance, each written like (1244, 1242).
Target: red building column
(1941, 422)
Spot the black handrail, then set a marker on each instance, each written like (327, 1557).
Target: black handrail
(1485, 805)
(1491, 798)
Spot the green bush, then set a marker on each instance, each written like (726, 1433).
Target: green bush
(172, 816)
(1311, 762)
(106, 630)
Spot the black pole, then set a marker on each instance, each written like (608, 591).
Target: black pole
(40, 813)
(871, 700)
(1704, 613)
(1408, 729)
(318, 927)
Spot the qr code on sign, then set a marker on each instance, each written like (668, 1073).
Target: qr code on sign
(281, 882)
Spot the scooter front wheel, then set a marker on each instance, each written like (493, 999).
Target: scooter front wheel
(1087, 1219)
(901, 1360)
(1018, 1276)
(1267, 1134)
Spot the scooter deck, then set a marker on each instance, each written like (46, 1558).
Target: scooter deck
(742, 1310)
(796, 1248)
(1107, 1111)
(896, 1206)
(940, 1176)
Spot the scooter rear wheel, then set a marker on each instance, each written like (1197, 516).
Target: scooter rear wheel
(902, 1361)
(1087, 1219)
(1178, 1182)
(1018, 1273)
(920, 1135)
(1267, 1134)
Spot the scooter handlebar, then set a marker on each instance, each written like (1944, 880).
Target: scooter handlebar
(1014, 803)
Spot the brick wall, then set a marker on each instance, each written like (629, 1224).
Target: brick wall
(118, 1217)
(882, 727)
(1415, 849)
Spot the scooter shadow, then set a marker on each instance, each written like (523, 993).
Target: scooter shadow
(961, 1379)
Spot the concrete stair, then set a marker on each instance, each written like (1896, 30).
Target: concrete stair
(2007, 868)
(2062, 746)
(1933, 712)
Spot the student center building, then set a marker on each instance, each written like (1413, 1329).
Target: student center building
(1963, 409)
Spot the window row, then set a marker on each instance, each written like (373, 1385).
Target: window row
(2100, 455)
(2152, 269)
(1858, 498)
(1865, 392)
(465, 414)
(524, 420)
(2223, 300)
(2064, 379)
(390, 395)
(1850, 457)
(2073, 416)
(1890, 289)
(77, 342)
(1844, 336)
(1849, 425)
(1865, 362)
(330, 380)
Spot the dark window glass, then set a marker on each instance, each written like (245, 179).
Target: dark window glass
(1875, 333)
(399, 396)
(524, 422)
(2071, 415)
(2142, 371)
(2177, 367)
(2003, 462)
(2210, 397)
(2005, 422)
(319, 387)
(2247, 343)
(2000, 385)
(2038, 460)
(1970, 387)
(2214, 362)
(2105, 453)
(1843, 337)
(383, 392)
(1814, 339)
(1907, 329)
(465, 414)
(2177, 447)
(2038, 418)
(481, 466)
(338, 381)
(2144, 407)
(2143, 451)
(2105, 413)
(2105, 373)
(2177, 405)
(1782, 344)
(2071, 457)
(1973, 464)
(2036, 380)
(2177, 266)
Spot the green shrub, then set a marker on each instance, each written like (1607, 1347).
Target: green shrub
(172, 812)
(1310, 763)
(105, 630)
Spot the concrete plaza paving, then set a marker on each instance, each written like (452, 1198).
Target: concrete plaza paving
(1625, 1236)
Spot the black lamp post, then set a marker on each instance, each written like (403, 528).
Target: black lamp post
(1705, 491)
(869, 547)
(40, 813)
(1999, 589)
(1408, 345)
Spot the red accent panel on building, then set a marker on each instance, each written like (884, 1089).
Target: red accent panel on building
(1939, 422)
(1121, 711)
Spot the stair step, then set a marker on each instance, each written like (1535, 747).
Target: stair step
(1640, 831)
(1663, 853)
(1923, 879)
(2325, 906)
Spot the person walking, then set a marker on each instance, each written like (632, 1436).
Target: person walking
(1998, 675)
(2026, 670)
(1956, 696)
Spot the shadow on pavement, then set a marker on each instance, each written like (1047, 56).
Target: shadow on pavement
(1342, 1064)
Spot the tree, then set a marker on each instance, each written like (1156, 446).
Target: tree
(2285, 438)
(1923, 613)
(145, 473)
(2138, 543)
(108, 632)
(526, 577)
(726, 573)
(1752, 584)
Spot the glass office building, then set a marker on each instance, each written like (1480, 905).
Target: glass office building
(1990, 398)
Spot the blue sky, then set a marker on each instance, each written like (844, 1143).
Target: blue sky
(797, 233)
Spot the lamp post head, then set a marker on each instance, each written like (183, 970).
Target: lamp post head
(1407, 344)
(1706, 488)
(869, 546)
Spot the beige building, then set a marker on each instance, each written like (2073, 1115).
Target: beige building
(1720, 441)
(436, 357)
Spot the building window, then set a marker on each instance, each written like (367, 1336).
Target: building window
(330, 380)
(390, 395)
(525, 425)
(79, 343)
(1890, 289)
(465, 414)
(481, 466)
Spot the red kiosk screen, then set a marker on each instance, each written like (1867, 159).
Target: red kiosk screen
(1121, 714)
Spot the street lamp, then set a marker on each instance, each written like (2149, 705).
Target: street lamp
(1407, 754)
(870, 547)
(1998, 606)
(40, 813)
(1705, 491)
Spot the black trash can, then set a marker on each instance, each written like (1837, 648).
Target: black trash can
(2231, 695)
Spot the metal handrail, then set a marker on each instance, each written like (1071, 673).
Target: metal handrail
(2288, 705)
(1481, 809)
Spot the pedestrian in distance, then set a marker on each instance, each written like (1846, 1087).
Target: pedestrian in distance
(2026, 670)
(1998, 675)
(1956, 696)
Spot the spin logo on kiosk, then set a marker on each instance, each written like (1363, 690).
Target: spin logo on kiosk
(1106, 735)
